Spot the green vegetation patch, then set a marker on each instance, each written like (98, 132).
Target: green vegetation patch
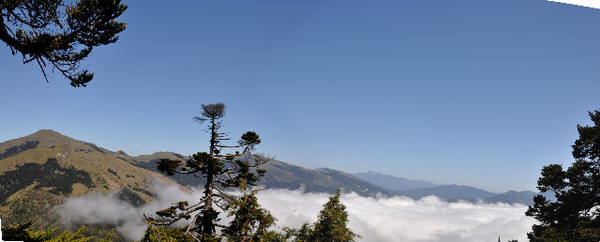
(50, 175)
(130, 197)
(18, 149)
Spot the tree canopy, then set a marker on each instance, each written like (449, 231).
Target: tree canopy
(575, 214)
(59, 35)
(235, 170)
(23, 232)
(331, 224)
(220, 171)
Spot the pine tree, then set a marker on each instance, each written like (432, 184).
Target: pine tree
(60, 33)
(165, 234)
(575, 215)
(331, 224)
(250, 221)
(23, 232)
(220, 172)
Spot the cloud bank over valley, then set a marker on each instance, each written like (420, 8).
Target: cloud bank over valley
(375, 219)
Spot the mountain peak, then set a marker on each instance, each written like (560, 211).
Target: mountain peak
(47, 132)
(48, 135)
(45, 138)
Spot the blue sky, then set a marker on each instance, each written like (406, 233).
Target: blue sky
(481, 93)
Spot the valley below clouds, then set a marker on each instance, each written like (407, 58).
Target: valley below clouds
(374, 218)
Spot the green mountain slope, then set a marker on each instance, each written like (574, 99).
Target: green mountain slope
(41, 170)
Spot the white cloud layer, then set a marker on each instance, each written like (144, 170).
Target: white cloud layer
(375, 219)
(404, 219)
(98, 208)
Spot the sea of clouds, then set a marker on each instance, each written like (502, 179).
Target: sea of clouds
(375, 219)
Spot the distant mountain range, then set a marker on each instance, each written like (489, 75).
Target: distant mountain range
(280, 175)
(41, 170)
(393, 183)
(418, 189)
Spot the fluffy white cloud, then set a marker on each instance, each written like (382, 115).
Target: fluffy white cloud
(376, 219)
(404, 219)
(99, 208)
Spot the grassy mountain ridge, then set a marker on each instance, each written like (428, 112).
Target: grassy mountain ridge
(45, 138)
(40, 171)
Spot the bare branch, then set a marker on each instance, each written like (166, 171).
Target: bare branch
(229, 146)
(42, 68)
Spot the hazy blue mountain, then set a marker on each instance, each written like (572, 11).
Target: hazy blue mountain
(418, 189)
(454, 193)
(450, 193)
(512, 197)
(393, 183)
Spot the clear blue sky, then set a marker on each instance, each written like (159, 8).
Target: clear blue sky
(480, 93)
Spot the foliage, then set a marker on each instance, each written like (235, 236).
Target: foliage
(304, 233)
(250, 221)
(18, 149)
(22, 232)
(574, 216)
(165, 234)
(331, 224)
(30, 206)
(62, 33)
(220, 172)
(76, 236)
(50, 175)
(17, 232)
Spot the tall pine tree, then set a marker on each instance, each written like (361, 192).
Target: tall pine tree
(221, 171)
(60, 34)
(575, 215)
(331, 224)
